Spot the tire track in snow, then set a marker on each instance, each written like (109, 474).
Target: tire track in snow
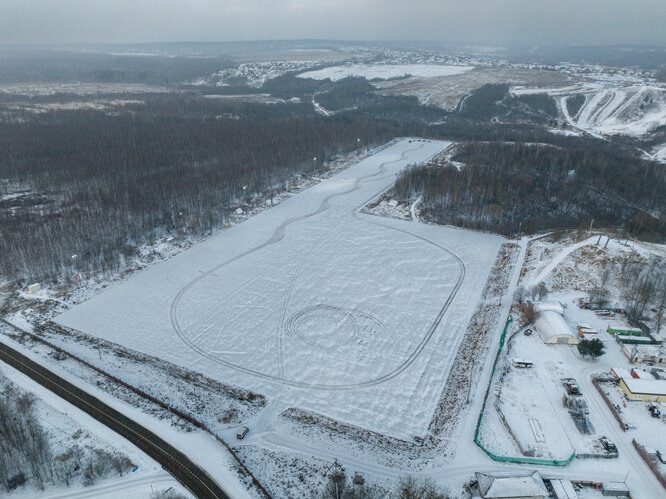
(285, 304)
(277, 236)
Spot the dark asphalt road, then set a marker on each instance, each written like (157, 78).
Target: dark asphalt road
(175, 462)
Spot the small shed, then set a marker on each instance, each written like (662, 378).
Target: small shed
(33, 288)
(518, 485)
(631, 339)
(614, 489)
(586, 331)
(624, 330)
(563, 489)
(620, 372)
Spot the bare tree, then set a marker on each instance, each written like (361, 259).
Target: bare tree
(519, 295)
(419, 488)
(541, 290)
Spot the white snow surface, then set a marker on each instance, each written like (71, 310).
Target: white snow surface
(313, 303)
(385, 71)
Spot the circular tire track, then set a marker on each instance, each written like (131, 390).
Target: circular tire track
(295, 324)
(278, 235)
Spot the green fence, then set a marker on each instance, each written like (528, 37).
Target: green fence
(511, 459)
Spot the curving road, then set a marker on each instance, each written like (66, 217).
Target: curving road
(175, 462)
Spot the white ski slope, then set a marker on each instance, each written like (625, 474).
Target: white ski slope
(634, 110)
(312, 303)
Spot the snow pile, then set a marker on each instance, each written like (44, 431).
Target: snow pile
(385, 71)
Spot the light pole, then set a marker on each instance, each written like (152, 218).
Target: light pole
(314, 162)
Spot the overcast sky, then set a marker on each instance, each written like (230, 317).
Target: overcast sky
(466, 21)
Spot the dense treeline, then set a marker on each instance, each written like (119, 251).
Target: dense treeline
(53, 66)
(494, 102)
(99, 185)
(507, 187)
(574, 103)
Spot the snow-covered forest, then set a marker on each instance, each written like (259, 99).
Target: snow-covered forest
(93, 185)
(527, 187)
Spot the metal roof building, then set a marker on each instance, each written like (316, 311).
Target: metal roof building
(645, 390)
(518, 485)
(552, 328)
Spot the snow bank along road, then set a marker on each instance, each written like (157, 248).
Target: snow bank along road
(313, 303)
(186, 472)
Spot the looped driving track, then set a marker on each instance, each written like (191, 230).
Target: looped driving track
(277, 236)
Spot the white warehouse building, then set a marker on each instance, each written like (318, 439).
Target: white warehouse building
(551, 326)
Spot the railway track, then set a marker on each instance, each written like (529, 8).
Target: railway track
(197, 481)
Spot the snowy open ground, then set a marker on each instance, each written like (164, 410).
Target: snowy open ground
(384, 71)
(313, 303)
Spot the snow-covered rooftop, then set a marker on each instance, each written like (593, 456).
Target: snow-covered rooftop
(657, 350)
(544, 306)
(621, 372)
(499, 485)
(550, 324)
(646, 386)
(620, 326)
(564, 489)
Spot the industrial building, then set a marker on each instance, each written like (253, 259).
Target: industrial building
(644, 390)
(517, 485)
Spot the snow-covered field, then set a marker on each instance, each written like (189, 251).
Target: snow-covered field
(384, 71)
(312, 303)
